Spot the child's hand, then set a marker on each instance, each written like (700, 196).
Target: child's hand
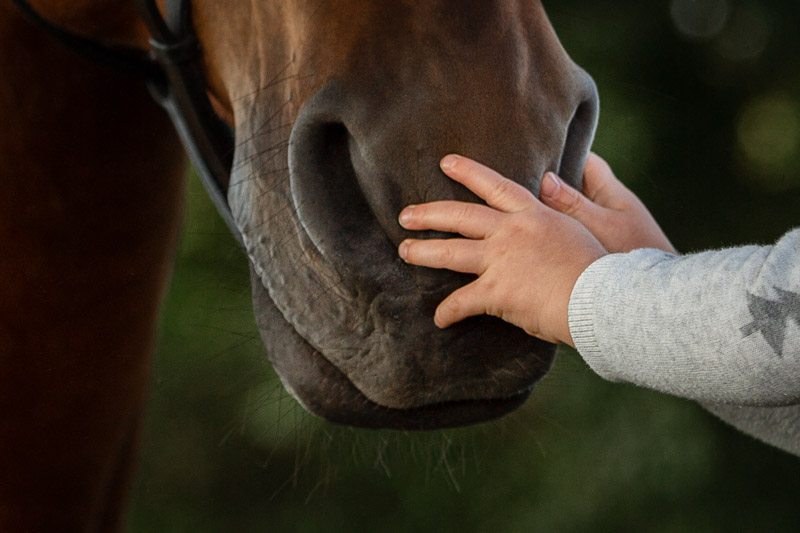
(526, 255)
(613, 214)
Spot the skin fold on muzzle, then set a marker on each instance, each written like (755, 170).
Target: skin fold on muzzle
(363, 123)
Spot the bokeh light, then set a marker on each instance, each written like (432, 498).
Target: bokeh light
(699, 19)
(746, 34)
(768, 133)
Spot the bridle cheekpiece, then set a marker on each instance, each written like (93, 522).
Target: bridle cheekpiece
(173, 71)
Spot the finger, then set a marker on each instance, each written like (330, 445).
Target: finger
(497, 190)
(462, 303)
(600, 184)
(564, 199)
(460, 255)
(470, 220)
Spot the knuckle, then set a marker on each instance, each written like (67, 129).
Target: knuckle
(518, 226)
(502, 249)
(501, 189)
(457, 214)
(461, 212)
(516, 229)
(444, 255)
(572, 201)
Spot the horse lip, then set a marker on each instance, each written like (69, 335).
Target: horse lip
(327, 392)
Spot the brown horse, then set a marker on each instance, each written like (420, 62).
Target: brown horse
(341, 111)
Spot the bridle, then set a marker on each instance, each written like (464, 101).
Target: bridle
(172, 69)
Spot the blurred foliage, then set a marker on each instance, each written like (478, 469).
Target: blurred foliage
(700, 116)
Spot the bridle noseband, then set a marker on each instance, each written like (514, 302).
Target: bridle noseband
(173, 72)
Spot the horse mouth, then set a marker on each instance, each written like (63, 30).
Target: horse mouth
(348, 325)
(365, 351)
(324, 390)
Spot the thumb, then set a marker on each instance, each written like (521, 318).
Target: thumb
(602, 187)
(564, 199)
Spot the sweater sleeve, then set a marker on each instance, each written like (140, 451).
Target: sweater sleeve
(720, 327)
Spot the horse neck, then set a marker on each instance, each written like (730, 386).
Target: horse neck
(90, 188)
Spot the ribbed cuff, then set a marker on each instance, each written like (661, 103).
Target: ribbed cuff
(582, 311)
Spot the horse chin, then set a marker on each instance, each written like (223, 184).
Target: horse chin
(327, 392)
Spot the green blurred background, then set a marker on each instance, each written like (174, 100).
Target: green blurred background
(701, 117)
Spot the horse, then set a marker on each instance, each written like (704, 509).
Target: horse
(340, 112)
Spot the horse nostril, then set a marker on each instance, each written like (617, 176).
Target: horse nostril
(329, 202)
(580, 134)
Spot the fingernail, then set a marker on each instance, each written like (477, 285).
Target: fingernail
(449, 162)
(405, 215)
(550, 185)
(403, 249)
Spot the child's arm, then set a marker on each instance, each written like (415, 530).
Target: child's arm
(721, 327)
(718, 327)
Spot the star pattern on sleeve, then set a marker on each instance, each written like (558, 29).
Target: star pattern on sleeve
(771, 317)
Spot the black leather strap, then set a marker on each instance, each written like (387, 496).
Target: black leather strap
(173, 72)
(124, 59)
(206, 138)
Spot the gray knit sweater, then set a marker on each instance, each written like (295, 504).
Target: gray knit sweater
(719, 327)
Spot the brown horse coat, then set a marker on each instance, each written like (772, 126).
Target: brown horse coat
(90, 175)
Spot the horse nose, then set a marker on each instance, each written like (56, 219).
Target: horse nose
(580, 131)
(328, 198)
